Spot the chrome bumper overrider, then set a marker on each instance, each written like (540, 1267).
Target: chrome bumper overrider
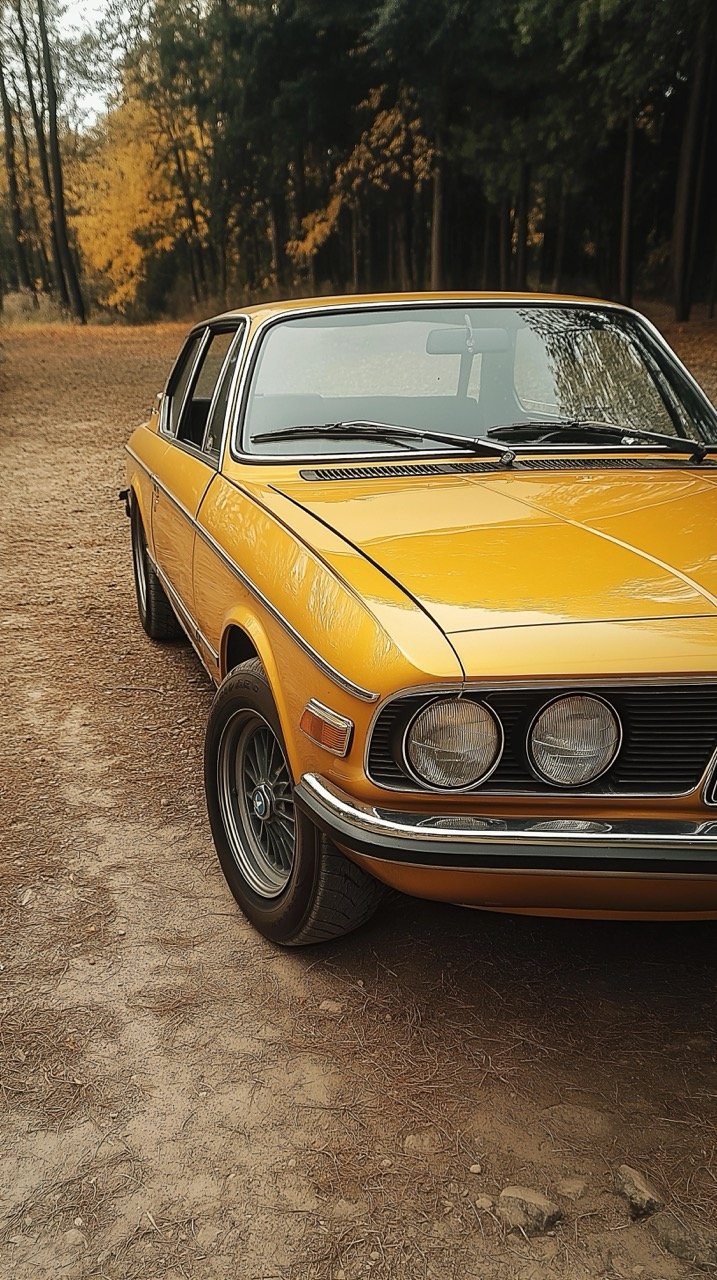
(490, 843)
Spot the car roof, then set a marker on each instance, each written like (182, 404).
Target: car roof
(266, 310)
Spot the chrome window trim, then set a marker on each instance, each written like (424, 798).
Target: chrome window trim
(578, 683)
(565, 787)
(365, 695)
(427, 786)
(239, 341)
(249, 359)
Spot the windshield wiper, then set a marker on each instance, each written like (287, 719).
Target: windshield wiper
(627, 435)
(386, 431)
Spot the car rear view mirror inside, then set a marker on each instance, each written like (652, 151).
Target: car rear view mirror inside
(453, 341)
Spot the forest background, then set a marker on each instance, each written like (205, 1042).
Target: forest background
(245, 150)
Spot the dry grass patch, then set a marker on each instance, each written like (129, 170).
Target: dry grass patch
(85, 1200)
(164, 1244)
(44, 1062)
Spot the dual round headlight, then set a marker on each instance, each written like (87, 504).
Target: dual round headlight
(456, 743)
(453, 743)
(574, 740)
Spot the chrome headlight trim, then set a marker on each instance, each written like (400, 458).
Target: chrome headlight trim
(476, 782)
(582, 783)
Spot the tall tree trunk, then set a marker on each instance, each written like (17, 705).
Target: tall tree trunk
(38, 238)
(521, 264)
(193, 280)
(700, 178)
(504, 248)
(560, 238)
(437, 223)
(191, 211)
(686, 172)
(486, 274)
(713, 285)
(355, 254)
(24, 278)
(30, 75)
(625, 285)
(58, 190)
(368, 269)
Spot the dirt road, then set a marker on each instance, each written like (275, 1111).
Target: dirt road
(178, 1098)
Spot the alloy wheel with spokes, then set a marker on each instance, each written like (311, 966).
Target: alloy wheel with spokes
(256, 798)
(287, 877)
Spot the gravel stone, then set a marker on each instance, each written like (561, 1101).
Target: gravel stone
(528, 1210)
(426, 1142)
(641, 1197)
(685, 1240)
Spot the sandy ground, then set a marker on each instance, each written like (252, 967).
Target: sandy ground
(178, 1098)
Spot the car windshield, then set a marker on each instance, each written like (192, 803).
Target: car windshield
(526, 373)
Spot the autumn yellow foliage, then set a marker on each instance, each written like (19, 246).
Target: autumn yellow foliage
(390, 152)
(126, 207)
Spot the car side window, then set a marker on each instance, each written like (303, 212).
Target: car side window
(179, 382)
(215, 425)
(195, 411)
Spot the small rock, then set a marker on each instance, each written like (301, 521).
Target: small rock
(375, 1255)
(476, 1168)
(386, 1163)
(291, 1164)
(79, 1222)
(74, 1239)
(426, 1142)
(331, 1006)
(642, 1199)
(345, 1209)
(207, 1235)
(484, 1203)
(571, 1188)
(528, 1210)
(685, 1240)
(26, 897)
(572, 1120)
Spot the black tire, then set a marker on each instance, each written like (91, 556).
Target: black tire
(295, 892)
(155, 612)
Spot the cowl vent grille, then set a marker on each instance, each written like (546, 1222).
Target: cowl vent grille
(387, 470)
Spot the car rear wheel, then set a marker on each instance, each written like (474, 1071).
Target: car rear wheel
(289, 880)
(155, 612)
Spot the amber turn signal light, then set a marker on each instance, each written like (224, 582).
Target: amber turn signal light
(330, 730)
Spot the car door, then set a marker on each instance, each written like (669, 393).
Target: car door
(189, 424)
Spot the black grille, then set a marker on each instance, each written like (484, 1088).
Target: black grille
(669, 736)
(388, 469)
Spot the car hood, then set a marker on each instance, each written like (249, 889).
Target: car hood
(478, 552)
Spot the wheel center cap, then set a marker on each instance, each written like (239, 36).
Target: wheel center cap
(261, 802)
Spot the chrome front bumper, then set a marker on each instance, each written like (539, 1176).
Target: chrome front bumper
(467, 842)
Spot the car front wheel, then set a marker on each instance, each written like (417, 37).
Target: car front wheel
(288, 879)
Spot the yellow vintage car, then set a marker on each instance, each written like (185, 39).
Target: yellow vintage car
(451, 561)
